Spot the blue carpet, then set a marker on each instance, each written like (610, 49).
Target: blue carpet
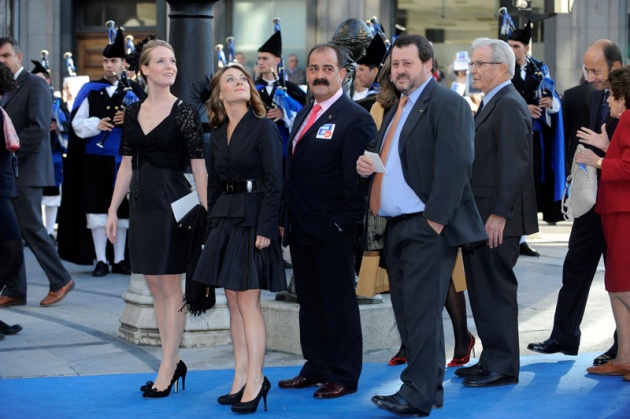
(550, 387)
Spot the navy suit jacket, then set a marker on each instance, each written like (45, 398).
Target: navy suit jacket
(322, 193)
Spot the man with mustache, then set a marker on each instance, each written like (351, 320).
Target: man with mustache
(323, 204)
(426, 197)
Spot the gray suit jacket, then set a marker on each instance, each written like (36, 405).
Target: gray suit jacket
(503, 180)
(436, 152)
(29, 105)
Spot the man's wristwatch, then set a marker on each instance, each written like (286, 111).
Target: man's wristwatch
(599, 163)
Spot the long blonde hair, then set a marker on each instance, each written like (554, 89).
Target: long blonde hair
(216, 111)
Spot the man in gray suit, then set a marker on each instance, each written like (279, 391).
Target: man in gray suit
(426, 197)
(29, 105)
(502, 183)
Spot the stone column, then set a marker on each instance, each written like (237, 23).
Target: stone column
(138, 325)
(190, 34)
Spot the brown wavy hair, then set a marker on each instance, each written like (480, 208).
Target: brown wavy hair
(619, 80)
(216, 111)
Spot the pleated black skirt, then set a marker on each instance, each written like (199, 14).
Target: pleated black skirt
(230, 260)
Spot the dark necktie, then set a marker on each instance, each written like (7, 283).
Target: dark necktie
(479, 109)
(604, 111)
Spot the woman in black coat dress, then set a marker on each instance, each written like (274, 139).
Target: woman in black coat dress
(242, 253)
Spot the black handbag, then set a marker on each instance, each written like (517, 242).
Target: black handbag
(197, 297)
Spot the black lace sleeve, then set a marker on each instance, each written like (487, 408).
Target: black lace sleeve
(129, 144)
(190, 126)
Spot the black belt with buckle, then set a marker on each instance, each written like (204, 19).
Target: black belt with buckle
(402, 217)
(241, 186)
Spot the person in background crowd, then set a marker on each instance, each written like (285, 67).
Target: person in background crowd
(532, 81)
(97, 120)
(282, 99)
(59, 126)
(29, 107)
(11, 251)
(294, 73)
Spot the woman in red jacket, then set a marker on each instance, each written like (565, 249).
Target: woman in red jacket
(613, 204)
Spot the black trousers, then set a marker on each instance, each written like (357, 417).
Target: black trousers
(419, 265)
(330, 324)
(28, 208)
(492, 292)
(586, 247)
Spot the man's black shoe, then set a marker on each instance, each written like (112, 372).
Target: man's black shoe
(121, 268)
(9, 330)
(528, 251)
(472, 371)
(490, 379)
(397, 405)
(552, 346)
(609, 355)
(101, 269)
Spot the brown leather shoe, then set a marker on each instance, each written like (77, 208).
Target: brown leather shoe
(54, 297)
(297, 382)
(610, 369)
(332, 391)
(8, 301)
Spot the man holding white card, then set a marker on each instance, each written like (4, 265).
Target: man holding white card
(426, 146)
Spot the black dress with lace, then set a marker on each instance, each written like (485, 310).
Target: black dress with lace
(156, 246)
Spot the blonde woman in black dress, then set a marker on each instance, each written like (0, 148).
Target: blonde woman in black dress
(242, 253)
(161, 135)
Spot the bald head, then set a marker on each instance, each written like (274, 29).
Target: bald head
(601, 57)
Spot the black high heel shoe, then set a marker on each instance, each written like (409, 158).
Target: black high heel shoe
(180, 372)
(231, 398)
(149, 384)
(252, 405)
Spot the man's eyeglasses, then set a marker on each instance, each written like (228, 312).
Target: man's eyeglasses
(480, 64)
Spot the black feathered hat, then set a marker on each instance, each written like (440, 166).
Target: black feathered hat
(522, 35)
(116, 47)
(374, 53)
(273, 45)
(39, 68)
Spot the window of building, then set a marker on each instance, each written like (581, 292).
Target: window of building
(126, 13)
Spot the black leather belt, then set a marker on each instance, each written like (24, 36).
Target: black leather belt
(402, 217)
(241, 186)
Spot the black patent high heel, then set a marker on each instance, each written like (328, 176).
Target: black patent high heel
(180, 372)
(231, 398)
(252, 405)
(149, 384)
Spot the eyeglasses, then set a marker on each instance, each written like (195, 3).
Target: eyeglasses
(480, 64)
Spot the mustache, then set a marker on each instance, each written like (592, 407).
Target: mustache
(323, 82)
